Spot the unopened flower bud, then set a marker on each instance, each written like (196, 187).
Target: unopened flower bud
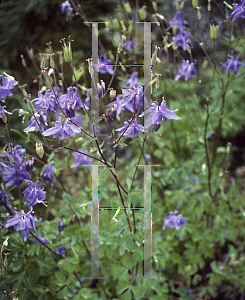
(101, 89)
(4, 117)
(157, 81)
(123, 25)
(214, 31)
(61, 225)
(209, 5)
(154, 5)
(28, 164)
(228, 148)
(30, 53)
(143, 12)
(90, 69)
(121, 43)
(154, 56)
(108, 24)
(43, 61)
(130, 27)
(67, 50)
(52, 63)
(113, 94)
(39, 149)
(156, 126)
(113, 110)
(195, 3)
(228, 5)
(127, 7)
(47, 77)
(29, 104)
(188, 48)
(23, 60)
(116, 23)
(60, 58)
(204, 64)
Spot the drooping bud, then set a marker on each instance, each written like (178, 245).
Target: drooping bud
(43, 61)
(108, 24)
(195, 3)
(113, 110)
(130, 27)
(28, 164)
(214, 31)
(4, 117)
(204, 64)
(113, 94)
(23, 113)
(143, 12)
(127, 7)
(29, 104)
(60, 58)
(209, 5)
(156, 126)
(101, 89)
(228, 5)
(52, 63)
(154, 5)
(90, 69)
(39, 149)
(67, 50)
(23, 60)
(123, 25)
(30, 53)
(61, 225)
(116, 23)
(154, 56)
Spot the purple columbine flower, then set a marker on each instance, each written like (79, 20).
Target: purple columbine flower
(71, 101)
(61, 225)
(62, 250)
(34, 193)
(7, 85)
(64, 131)
(47, 101)
(187, 70)
(174, 221)
(129, 45)
(132, 81)
(233, 65)
(157, 113)
(177, 21)
(25, 222)
(14, 171)
(133, 98)
(2, 110)
(133, 129)
(66, 8)
(120, 104)
(103, 66)
(5, 199)
(48, 173)
(181, 39)
(239, 10)
(81, 159)
(37, 122)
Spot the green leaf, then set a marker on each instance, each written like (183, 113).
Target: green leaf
(18, 264)
(121, 287)
(89, 141)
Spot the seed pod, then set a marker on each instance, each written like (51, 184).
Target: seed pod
(39, 149)
(113, 94)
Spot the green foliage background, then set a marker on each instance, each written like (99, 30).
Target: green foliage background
(206, 255)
